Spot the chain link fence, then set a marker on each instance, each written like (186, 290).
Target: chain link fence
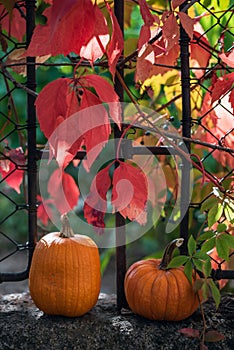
(208, 136)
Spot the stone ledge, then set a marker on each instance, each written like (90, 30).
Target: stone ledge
(23, 326)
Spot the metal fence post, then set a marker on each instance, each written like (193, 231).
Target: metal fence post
(186, 131)
(31, 126)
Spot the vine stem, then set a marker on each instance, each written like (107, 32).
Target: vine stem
(203, 321)
(16, 83)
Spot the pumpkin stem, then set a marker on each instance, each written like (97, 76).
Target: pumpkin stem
(66, 230)
(168, 252)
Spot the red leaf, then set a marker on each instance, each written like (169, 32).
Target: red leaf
(38, 45)
(222, 85)
(168, 58)
(44, 211)
(147, 62)
(190, 332)
(144, 36)
(231, 98)
(213, 336)
(187, 23)
(52, 105)
(59, 101)
(116, 45)
(176, 3)
(148, 18)
(170, 29)
(130, 192)
(228, 58)
(93, 126)
(14, 23)
(95, 203)
(9, 168)
(70, 25)
(63, 190)
(106, 94)
(96, 46)
(199, 53)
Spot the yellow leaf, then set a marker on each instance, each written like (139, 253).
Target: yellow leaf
(153, 83)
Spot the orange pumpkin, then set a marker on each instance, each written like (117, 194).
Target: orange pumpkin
(64, 277)
(158, 293)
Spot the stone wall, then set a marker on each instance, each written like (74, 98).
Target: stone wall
(23, 326)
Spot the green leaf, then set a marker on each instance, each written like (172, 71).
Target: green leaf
(198, 264)
(215, 292)
(178, 261)
(207, 268)
(201, 255)
(215, 214)
(222, 247)
(188, 270)
(191, 245)
(223, 4)
(205, 291)
(206, 235)
(221, 228)
(208, 245)
(229, 239)
(198, 284)
(208, 203)
(229, 212)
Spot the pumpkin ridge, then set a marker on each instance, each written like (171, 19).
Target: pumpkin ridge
(81, 295)
(141, 291)
(167, 295)
(132, 289)
(90, 273)
(159, 275)
(171, 271)
(69, 261)
(56, 272)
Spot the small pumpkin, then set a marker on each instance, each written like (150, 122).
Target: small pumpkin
(158, 293)
(64, 277)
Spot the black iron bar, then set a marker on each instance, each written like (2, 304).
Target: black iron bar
(186, 131)
(119, 220)
(127, 151)
(222, 274)
(31, 127)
